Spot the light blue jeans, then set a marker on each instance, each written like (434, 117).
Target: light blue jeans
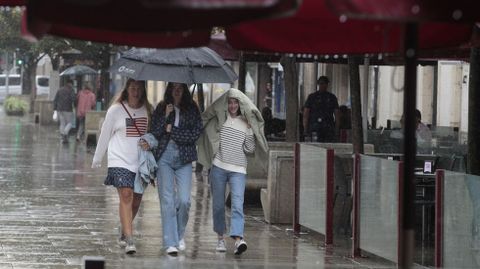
(218, 182)
(174, 185)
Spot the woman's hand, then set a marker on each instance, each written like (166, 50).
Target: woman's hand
(168, 110)
(144, 144)
(168, 128)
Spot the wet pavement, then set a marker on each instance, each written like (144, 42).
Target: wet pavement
(55, 210)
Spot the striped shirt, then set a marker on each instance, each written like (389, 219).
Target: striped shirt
(236, 140)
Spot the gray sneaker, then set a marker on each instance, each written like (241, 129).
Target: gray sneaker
(122, 241)
(130, 247)
(221, 246)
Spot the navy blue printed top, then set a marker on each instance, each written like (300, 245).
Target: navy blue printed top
(185, 135)
(322, 107)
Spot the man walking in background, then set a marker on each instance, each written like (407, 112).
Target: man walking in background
(86, 102)
(63, 103)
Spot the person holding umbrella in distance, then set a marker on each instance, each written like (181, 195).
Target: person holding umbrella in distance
(176, 124)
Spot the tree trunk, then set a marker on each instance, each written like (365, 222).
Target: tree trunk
(355, 95)
(54, 81)
(291, 97)
(28, 77)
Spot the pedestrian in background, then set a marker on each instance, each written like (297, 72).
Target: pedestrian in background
(86, 102)
(320, 113)
(233, 129)
(126, 121)
(176, 124)
(63, 103)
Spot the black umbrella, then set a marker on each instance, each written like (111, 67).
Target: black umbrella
(188, 65)
(78, 70)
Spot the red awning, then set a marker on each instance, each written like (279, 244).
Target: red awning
(144, 23)
(129, 38)
(316, 29)
(154, 16)
(12, 3)
(409, 10)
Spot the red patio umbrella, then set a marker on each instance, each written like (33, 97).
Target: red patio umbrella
(144, 20)
(316, 29)
(409, 10)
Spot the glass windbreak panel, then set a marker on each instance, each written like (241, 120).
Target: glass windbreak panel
(379, 207)
(461, 220)
(313, 192)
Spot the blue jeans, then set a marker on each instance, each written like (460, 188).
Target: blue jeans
(174, 185)
(218, 182)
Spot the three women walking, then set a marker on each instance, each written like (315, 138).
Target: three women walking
(229, 130)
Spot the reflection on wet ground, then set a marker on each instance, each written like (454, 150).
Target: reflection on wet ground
(55, 210)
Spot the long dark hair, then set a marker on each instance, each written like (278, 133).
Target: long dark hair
(186, 102)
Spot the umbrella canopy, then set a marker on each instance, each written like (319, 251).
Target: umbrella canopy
(78, 70)
(150, 23)
(316, 29)
(409, 10)
(189, 65)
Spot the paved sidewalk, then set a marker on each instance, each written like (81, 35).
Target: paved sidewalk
(55, 209)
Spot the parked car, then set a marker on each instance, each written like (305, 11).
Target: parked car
(14, 85)
(42, 84)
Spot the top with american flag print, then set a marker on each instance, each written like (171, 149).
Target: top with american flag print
(120, 136)
(133, 123)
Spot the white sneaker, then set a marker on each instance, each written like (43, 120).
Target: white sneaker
(130, 248)
(221, 247)
(172, 251)
(181, 245)
(240, 247)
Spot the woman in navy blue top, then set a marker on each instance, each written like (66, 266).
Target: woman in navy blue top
(177, 124)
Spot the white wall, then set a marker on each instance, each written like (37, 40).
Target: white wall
(449, 93)
(390, 94)
(425, 92)
(464, 103)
